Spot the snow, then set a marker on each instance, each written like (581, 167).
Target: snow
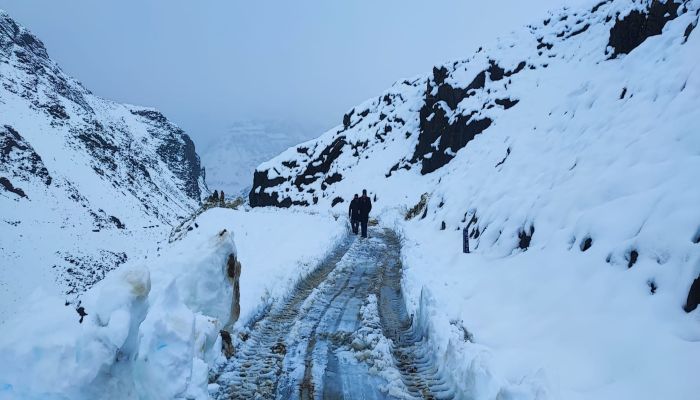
(152, 329)
(596, 148)
(150, 332)
(577, 326)
(369, 345)
(276, 248)
(574, 159)
(101, 179)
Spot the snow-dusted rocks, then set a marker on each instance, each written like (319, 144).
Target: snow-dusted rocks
(85, 183)
(551, 132)
(569, 151)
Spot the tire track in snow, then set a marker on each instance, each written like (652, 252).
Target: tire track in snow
(254, 371)
(412, 353)
(287, 353)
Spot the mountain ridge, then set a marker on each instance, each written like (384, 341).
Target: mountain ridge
(85, 182)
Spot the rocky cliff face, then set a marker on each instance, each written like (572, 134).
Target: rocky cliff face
(436, 116)
(84, 182)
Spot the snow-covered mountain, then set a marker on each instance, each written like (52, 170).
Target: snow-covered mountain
(580, 127)
(85, 182)
(569, 151)
(231, 158)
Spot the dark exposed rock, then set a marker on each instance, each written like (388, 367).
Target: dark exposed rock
(597, 6)
(57, 111)
(418, 208)
(624, 92)
(226, 344)
(521, 65)
(81, 311)
(693, 299)
(586, 244)
(119, 224)
(347, 118)
(579, 31)
(178, 152)
(290, 164)
(337, 200)
(632, 258)
(632, 30)
(451, 96)
(504, 158)
(453, 137)
(652, 286)
(689, 30)
(262, 199)
(18, 158)
(506, 103)
(435, 125)
(322, 163)
(8, 186)
(478, 82)
(525, 237)
(496, 73)
(233, 272)
(334, 178)
(542, 45)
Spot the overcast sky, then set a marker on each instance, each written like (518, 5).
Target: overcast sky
(208, 63)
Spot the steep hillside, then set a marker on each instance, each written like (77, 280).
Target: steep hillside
(569, 152)
(85, 182)
(547, 135)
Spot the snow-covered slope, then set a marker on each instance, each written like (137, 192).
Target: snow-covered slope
(152, 327)
(84, 182)
(569, 151)
(231, 158)
(150, 330)
(551, 133)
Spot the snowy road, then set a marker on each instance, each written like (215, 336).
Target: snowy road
(343, 333)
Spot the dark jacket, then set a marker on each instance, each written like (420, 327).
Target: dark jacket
(354, 210)
(365, 206)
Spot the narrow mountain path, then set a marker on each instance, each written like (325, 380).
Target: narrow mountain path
(343, 333)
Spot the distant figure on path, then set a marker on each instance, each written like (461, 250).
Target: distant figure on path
(365, 205)
(354, 214)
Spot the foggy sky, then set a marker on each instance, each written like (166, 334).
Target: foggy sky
(207, 63)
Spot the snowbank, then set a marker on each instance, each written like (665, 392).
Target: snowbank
(550, 323)
(276, 248)
(152, 328)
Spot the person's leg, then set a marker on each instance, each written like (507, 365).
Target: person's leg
(364, 228)
(355, 227)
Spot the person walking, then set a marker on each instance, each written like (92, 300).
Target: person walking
(354, 214)
(365, 206)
